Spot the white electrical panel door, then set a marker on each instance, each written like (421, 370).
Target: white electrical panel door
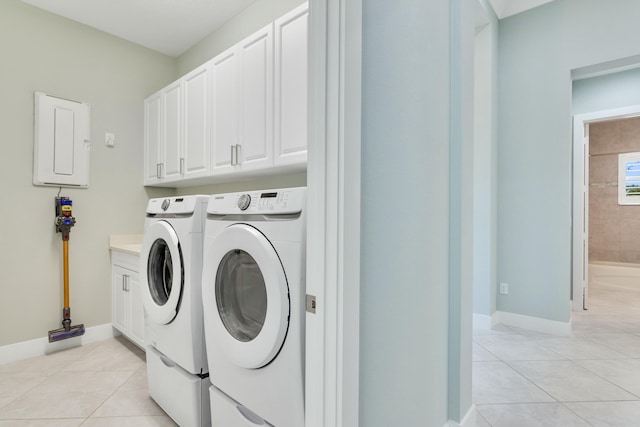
(61, 142)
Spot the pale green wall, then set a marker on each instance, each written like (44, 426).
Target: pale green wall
(279, 181)
(44, 52)
(256, 16)
(538, 50)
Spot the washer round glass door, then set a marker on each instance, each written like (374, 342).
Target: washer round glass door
(162, 272)
(246, 296)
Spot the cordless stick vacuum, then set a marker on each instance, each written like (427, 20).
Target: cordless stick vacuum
(64, 222)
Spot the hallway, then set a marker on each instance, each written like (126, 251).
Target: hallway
(592, 378)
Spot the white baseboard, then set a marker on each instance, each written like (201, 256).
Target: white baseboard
(469, 420)
(41, 346)
(482, 321)
(537, 324)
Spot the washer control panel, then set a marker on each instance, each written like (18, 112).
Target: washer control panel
(284, 201)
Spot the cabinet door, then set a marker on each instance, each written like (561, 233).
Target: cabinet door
(291, 70)
(224, 110)
(136, 313)
(256, 100)
(195, 142)
(119, 300)
(152, 137)
(172, 131)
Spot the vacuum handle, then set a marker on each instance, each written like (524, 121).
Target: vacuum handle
(64, 217)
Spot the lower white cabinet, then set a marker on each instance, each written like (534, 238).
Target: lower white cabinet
(127, 313)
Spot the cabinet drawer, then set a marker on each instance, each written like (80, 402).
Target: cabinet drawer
(125, 260)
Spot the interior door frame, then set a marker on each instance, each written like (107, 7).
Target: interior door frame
(580, 230)
(333, 206)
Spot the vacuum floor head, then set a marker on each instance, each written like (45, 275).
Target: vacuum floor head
(63, 334)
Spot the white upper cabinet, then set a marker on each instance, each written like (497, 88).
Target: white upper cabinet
(152, 138)
(242, 105)
(163, 121)
(195, 160)
(243, 113)
(291, 71)
(255, 148)
(172, 129)
(177, 130)
(224, 110)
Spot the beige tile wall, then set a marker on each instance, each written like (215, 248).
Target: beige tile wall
(614, 230)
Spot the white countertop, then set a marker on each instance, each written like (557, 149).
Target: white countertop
(127, 243)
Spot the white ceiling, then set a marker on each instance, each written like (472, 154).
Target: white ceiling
(167, 26)
(173, 26)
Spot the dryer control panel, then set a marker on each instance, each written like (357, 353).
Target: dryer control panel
(271, 202)
(175, 205)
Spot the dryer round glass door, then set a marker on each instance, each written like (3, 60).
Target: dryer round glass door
(241, 295)
(245, 296)
(162, 272)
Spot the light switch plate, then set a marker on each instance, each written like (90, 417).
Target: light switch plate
(109, 139)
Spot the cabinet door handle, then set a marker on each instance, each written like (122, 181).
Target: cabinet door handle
(238, 151)
(158, 171)
(181, 165)
(125, 283)
(233, 150)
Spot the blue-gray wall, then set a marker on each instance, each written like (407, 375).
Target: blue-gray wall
(415, 286)
(616, 90)
(538, 50)
(485, 174)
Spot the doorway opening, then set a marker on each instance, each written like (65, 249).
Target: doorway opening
(606, 256)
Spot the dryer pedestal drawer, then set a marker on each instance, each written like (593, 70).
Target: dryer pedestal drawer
(229, 413)
(183, 396)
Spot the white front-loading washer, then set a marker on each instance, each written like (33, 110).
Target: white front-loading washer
(253, 291)
(171, 268)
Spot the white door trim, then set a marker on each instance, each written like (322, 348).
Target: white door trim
(581, 196)
(333, 206)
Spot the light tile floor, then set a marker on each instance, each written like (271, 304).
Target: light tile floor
(591, 378)
(521, 378)
(102, 384)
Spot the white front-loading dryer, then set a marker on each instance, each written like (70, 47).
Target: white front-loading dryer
(171, 268)
(253, 290)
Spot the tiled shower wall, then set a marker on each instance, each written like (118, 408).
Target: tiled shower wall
(614, 230)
